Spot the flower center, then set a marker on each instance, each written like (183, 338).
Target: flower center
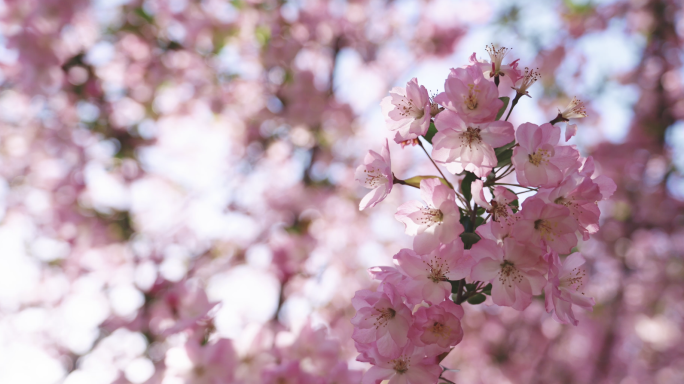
(431, 216)
(438, 269)
(471, 99)
(509, 274)
(539, 157)
(407, 109)
(575, 279)
(470, 136)
(545, 228)
(498, 211)
(374, 177)
(384, 316)
(401, 364)
(440, 330)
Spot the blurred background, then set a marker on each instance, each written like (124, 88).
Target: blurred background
(158, 157)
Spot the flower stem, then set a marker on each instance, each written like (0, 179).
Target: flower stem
(515, 101)
(433, 163)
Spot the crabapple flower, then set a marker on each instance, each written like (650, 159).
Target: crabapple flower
(513, 270)
(606, 184)
(565, 288)
(468, 146)
(387, 275)
(470, 95)
(498, 207)
(537, 159)
(542, 224)
(375, 173)
(437, 327)
(574, 110)
(382, 320)
(407, 111)
(508, 73)
(579, 195)
(434, 223)
(528, 78)
(410, 367)
(428, 275)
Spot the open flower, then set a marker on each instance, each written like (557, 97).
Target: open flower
(410, 367)
(434, 223)
(580, 195)
(428, 275)
(437, 327)
(407, 111)
(513, 271)
(538, 159)
(529, 77)
(574, 110)
(542, 224)
(468, 146)
(375, 173)
(469, 94)
(565, 287)
(498, 207)
(508, 73)
(382, 320)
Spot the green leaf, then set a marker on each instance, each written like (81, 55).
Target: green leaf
(430, 133)
(465, 185)
(515, 205)
(469, 238)
(487, 289)
(506, 147)
(504, 158)
(481, 211)
(415, 180)
(477, 299)
(503, 109)
(470, 287)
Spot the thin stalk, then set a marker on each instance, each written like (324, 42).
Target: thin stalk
(513, 103)
(433, 163)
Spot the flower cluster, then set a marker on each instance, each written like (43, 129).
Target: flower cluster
(484, 238)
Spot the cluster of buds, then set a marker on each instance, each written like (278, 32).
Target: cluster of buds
(475, 240)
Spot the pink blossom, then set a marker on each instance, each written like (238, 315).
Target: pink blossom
(508, 73)
(527, 79)
(606, 184)
(513, 270)
(436, 223)
(542, 224)
(574, 110)
(469, 146)
(498, 207)
(409, 367)
(580, 195)
(428, 275)
(407, 111)
(565, 287)
(375, 173)
(387, 275)
(382, 320)
(470, 95)
(537, 159)
(437, 326)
